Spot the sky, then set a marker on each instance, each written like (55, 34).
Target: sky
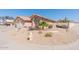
(54, 14)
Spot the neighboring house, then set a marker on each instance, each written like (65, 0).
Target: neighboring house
(9, 22)
(24, 21)
(32, 21)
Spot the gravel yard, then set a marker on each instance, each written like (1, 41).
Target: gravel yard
(11, 39)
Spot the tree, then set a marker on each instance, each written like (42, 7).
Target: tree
(65, 20)
(43, 24)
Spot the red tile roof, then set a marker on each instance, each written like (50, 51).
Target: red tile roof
(44, 18)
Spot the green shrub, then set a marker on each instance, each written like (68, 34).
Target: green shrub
(49, 34)
(43, 24)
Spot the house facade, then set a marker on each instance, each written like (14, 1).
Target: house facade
(9, 22)
(37, 19)
(23, 21)
(32, 21)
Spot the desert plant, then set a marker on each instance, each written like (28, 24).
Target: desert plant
(49, 34)
(43, 24)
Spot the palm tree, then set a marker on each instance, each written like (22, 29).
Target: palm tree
(66, 20)
(43, 24)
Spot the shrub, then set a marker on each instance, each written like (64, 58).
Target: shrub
(43, 24)
(49, 34)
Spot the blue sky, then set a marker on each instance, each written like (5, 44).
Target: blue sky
(72, 14)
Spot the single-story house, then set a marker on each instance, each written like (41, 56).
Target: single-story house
(38, 18)
(23, 21)
(9, 22)
(32, 21)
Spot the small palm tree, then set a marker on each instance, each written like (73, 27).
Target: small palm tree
(43, 24)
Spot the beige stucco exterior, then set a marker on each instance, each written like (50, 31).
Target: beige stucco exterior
(26, 24)
(28, 21)
(9, 22)
(24, 21)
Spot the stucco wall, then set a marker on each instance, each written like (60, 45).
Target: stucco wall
(27, 24)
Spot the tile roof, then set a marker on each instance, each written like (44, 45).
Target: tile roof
(45, 18)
